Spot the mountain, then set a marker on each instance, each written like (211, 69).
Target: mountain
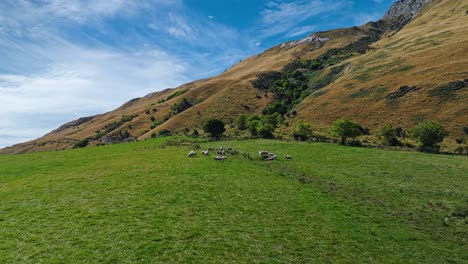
(407, 67)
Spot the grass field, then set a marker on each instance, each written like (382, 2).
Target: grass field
(147, 202)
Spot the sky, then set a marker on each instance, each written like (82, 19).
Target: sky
(65, 59)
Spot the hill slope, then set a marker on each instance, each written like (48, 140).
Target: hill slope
(410, 66)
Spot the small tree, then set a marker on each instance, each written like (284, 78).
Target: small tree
(252, 126)
(241, 122)
(214, 127)
(389, 135)
(429, 134)
(344, 129)
(265, 130)
(302, 131)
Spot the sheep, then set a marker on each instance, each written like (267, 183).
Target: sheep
(271, 154)
(221, 152)
(220, 157)
(192, 154)
(205, 152)
(288, 157)
(271, 157)
(262, 153)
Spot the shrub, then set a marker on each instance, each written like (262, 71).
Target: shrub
(265, 130)
(252, 126)
(241, 122)
(164, 133)
(429, 133)
(214, 127)
(126, 118)
(344, 129)
(389, 135)
(302, 131)
(82, 143)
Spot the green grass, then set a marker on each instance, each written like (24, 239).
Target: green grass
(147, 202)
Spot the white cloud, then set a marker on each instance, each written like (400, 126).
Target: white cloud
(280, 17)
(301, 31)
(81, 82)
(179, 28)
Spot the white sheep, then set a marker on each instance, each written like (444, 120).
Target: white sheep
(262, 153)
(205, 152)
(288, 157)
(220, 157)
(192, 154)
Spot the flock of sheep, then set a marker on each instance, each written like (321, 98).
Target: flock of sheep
(221, 154)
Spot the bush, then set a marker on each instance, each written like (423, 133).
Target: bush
(265, 130)
(164, 133)
(465, 130)
(82, 143)
(214, 127)
(429, 134)
(302, 131)
(252, 126)
(241, 122)
(389, 135)
(344, 129)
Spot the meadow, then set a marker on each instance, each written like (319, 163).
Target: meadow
(146, 202)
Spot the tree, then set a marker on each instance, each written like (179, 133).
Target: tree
(265, 130)
(344, 128)
(429, 133)
(302, 131)
(389, 135)
(214, 127)
(252, 126)
(241, 122)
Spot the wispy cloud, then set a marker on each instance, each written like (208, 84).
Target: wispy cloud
(281, 17)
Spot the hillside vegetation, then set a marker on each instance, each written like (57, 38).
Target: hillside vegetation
(147, 202)
(395, 71)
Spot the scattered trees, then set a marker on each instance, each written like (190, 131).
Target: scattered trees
(344, 129)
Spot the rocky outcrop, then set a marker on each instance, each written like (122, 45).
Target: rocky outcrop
(405, 10)
(318, 41)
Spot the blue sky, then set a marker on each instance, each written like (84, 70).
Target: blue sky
(64, 59)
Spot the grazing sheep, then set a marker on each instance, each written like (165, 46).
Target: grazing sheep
(221, 152)
(271, 154)
(288, 157)
(263, 153)
(192, 154)
(220, 157)
(205, 152)
(271, 157)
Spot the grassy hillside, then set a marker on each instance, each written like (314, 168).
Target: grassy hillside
(147, 202)
(374, 74)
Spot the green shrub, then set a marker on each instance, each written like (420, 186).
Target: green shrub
(344, 129)
(302, 131)
(241, 122)
(265, 130)
(429, 134)
(214, 127)
(389, 135)
(82, 143)
(164, 133)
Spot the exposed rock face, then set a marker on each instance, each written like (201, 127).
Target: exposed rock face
(318, 41)
(405, 9)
